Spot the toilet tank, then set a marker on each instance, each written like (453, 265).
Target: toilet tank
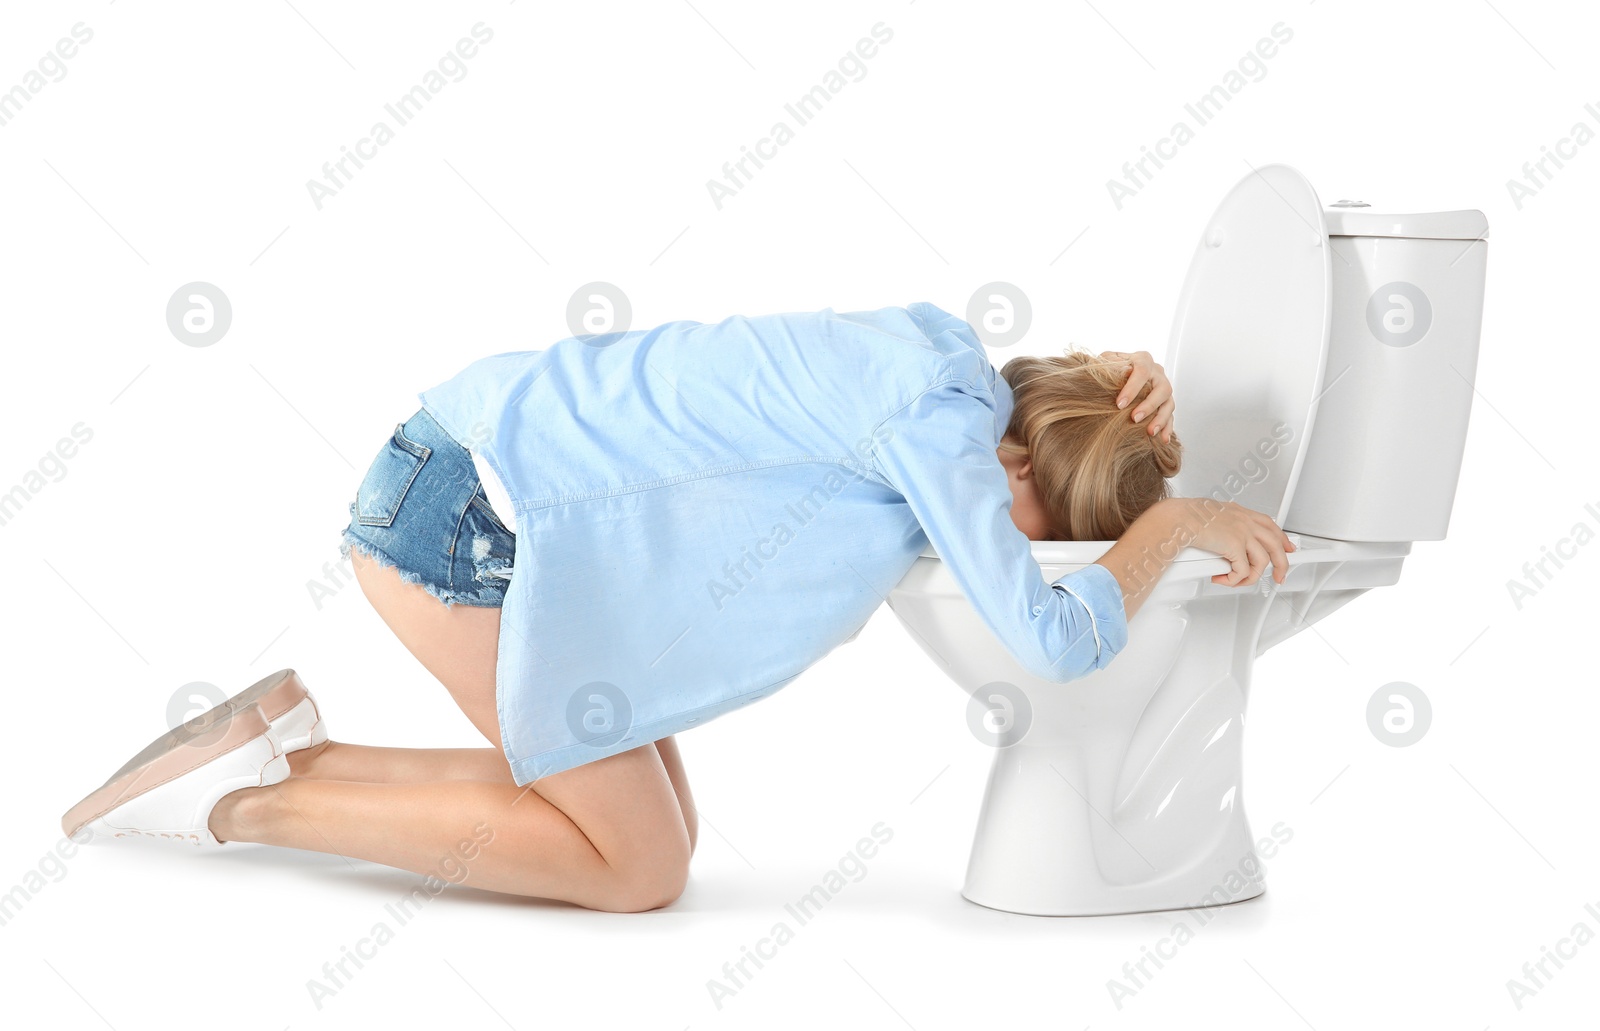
(1383, 452)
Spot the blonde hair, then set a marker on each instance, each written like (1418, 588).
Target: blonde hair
(1096, 470)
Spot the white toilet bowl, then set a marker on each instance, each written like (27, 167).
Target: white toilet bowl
(1121, 792)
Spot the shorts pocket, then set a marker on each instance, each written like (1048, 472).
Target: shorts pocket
(390, 476)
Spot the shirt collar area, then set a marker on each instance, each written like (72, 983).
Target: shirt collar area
(1003, 403)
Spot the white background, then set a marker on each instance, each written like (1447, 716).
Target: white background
(181, 540)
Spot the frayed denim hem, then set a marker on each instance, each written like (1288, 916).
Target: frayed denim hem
(349, 540)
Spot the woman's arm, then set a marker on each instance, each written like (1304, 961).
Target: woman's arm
(939, 453)
(1249, 541)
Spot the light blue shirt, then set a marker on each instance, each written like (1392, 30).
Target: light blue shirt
(705, 510)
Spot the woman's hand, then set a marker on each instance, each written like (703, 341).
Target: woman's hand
(1142, 369)
(1249, 540)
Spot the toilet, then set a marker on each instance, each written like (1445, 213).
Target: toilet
(1323, 359)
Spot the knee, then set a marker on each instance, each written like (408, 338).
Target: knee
(652, 881)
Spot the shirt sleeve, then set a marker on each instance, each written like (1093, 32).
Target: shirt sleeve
(939, 453)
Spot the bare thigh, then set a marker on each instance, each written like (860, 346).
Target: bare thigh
(458, 644)
(631, 797)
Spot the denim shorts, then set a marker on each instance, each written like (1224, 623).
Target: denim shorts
(421, 509)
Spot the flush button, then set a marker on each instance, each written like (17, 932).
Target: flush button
(1349, 204)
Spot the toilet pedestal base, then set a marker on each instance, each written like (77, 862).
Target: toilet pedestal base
(1123, 908)
(1042, 849)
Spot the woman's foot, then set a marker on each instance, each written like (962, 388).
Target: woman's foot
(239, 815)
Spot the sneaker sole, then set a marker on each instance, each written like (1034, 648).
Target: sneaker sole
(279, 702)
(180, 750)
(286, 703)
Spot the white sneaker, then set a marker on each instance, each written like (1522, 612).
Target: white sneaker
(169, 789)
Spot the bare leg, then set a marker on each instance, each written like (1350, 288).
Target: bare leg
(610, 834)
(672, 762)
(372, 764)
(606, 835)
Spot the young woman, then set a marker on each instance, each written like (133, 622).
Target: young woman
(694, 514)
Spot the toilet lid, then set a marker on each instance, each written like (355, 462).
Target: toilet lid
(1250, 342)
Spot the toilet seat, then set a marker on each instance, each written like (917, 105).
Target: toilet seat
(1081, 553)
(1061, 557)
(1265, 253)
